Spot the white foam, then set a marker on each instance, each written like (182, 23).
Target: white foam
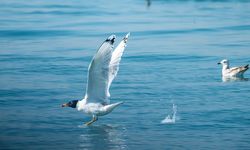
(170, 119)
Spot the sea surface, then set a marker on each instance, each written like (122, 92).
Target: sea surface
(170, 60)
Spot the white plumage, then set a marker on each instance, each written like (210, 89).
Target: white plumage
(232, 72)
(101, 72)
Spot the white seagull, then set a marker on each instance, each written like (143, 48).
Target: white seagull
(101, 72)
(232, 72)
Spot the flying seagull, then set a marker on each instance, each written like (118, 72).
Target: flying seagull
(232, 72)
(101, 72)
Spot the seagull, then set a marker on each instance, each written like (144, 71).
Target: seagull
(101, 72)
(232, 72)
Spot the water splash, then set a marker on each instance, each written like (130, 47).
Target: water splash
(170, 119)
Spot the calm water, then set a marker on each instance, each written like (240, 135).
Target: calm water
(171, 58)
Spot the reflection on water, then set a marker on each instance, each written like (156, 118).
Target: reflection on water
(234, 79)
(103, 137)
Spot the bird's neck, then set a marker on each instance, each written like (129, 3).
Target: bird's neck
(225, 67)
(80, 105)
(224, 70)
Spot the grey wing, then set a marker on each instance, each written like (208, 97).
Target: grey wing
(98, 74)
(236, 70)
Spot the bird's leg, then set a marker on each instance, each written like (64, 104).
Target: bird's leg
(94, 118)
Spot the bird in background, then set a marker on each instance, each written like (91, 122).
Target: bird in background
(101, 72)
(232, 72)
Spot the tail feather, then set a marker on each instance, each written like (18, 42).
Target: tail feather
(118, 103)
(111, 107)
(246, 66)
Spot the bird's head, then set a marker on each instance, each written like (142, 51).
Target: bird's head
(223, 62)
(72, 104)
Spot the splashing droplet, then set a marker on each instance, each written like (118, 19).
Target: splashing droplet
(170, 119)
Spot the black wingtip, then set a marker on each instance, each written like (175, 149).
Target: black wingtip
(247, 66)
(126, 37)
(111, 39)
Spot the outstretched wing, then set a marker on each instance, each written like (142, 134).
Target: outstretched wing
(98, 73)
(115, 60)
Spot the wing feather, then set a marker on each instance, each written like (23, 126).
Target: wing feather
(115, 59)
(236, 70)
(98, 74)
(103, 69)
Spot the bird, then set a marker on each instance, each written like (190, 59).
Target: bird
(232, 72)
(102, 70)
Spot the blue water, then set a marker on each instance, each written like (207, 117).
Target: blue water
(171, 58)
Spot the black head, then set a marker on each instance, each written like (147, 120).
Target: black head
(70, 104)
